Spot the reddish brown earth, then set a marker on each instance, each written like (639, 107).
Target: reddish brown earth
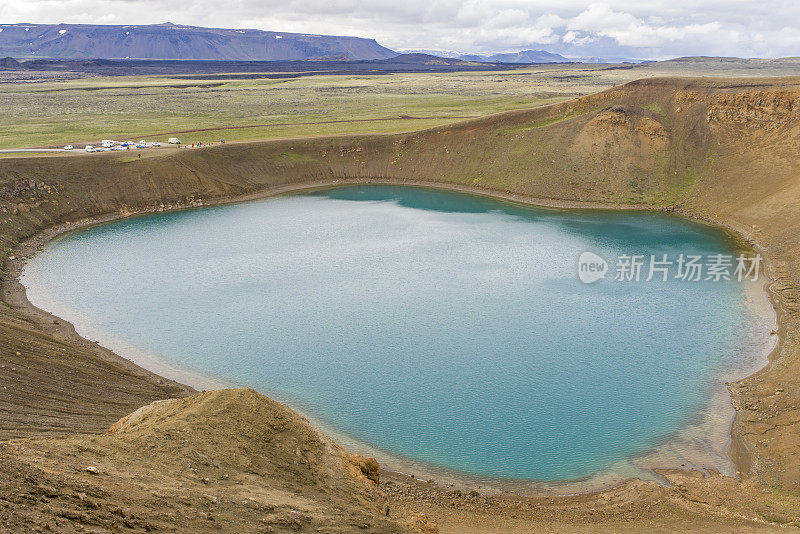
(724, 151)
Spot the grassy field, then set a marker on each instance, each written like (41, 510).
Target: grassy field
(85, 110)
(89, 109)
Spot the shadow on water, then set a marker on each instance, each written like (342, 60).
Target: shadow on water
(639, 233)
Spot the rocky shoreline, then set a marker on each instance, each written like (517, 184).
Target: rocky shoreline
(15, 293)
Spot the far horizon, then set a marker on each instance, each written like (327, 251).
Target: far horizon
(538, 54)
(613, 29)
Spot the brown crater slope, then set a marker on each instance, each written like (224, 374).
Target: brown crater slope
(726, 151)
(224, 460)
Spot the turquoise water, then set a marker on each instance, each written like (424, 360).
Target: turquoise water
(443, 327)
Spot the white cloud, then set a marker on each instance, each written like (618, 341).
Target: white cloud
(628, 30)
(508, 18)
(574, 38)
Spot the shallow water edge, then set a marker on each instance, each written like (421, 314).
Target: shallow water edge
(639, 467)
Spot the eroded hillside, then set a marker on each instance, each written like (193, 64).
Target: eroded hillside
(229, 460)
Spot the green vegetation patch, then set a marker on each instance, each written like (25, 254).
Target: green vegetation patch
(299, 158)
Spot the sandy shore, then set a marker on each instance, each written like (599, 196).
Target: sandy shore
(700, 445)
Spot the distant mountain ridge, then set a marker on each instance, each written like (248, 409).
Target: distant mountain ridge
(419, 58)
(523, 56)
(170, 41)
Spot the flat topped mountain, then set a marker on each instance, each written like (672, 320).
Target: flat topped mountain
(170, 41)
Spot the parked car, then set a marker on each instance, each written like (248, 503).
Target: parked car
(174, 141)
(68, 147)
(90, 148)
(124, 144)
(155, 144)
(119, 147)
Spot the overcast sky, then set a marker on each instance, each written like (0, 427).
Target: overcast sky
(653, 29)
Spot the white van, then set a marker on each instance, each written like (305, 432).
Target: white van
(108, 143)
(174, 141)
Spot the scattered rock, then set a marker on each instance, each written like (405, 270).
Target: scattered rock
(369, 467)
(422, 524)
